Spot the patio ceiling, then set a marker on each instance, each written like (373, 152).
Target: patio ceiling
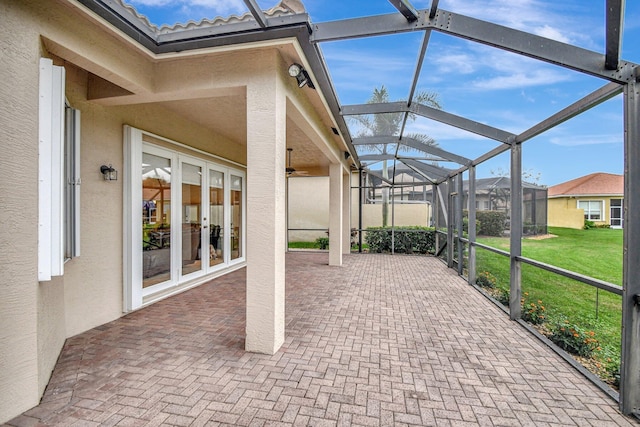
(368, 148)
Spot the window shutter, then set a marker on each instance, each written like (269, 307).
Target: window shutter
(50, 171)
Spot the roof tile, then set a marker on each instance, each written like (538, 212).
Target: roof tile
(285, 7)
(593, 184)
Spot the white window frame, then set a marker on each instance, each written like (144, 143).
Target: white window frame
(621, 207)
(603, 216)
(72, 182)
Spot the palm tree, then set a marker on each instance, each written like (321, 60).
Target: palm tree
(388, 124)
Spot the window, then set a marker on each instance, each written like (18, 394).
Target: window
(58, 174)
(72, 182)
(482, 205)
(592, 209)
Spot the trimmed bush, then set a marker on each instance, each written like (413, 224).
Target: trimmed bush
(492, 223)
(407, 240)
(322, 242)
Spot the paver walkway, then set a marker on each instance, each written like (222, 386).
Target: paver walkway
(383, 340)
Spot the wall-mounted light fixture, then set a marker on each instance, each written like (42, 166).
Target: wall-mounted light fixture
(301, 75)
(109, 173)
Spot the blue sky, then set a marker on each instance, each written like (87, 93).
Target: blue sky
(498, 88)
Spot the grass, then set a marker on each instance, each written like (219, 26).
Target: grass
(596, 253)
(302, 245)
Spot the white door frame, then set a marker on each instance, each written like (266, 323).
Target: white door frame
(134, 295)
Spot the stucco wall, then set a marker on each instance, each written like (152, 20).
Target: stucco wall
(309, 208)
(404, 215)
(19, 50)
(563, 212)
(36, 318)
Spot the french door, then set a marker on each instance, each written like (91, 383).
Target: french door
(191, 224)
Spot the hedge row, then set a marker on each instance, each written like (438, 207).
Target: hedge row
(488, 223)
(407, 240)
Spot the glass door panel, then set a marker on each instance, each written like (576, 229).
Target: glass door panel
(216, 217)
(156, 219)
(236, 217)
(191, 218)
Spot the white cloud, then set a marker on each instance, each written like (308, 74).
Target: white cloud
(521, 79)
(559, 21)
(362, 70)
(551, 33)
(455, 62)
(496, 69)
(576, 140)
(152, 3)
(190, 8)
(527, 97)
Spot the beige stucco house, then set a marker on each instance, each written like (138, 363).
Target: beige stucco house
(138, 162)
(596, 197)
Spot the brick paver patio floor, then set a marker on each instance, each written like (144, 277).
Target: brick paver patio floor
(383, 340)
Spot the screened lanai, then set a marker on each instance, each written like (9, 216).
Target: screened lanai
(385, 139)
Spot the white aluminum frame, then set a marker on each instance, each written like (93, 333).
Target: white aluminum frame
(134, 295)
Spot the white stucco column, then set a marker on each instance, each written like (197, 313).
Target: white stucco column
(335, 214)
(266, 220)
(346, 213)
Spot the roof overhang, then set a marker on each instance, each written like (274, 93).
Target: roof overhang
(294, 28)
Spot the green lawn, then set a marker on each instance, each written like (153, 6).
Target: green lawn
(303, 245)
(596, 253)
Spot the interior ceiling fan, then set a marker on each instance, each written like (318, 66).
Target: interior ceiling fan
(290, 170)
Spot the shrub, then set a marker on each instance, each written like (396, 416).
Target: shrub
(532, 312)
(465, 222)
(573, 339)
(407, 240)
(502, 296)
(486, 280)
(354, 236)
(588, 225)
(612, 369)
(492, 223)
(378, 239)
(322, 242)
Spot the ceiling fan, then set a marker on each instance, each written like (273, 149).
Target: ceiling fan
(290, 170)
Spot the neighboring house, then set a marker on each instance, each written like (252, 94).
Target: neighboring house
(597, 197)
(138, 162)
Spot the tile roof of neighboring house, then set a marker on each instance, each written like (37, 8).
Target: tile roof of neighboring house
(285, 7)
(590, 185)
